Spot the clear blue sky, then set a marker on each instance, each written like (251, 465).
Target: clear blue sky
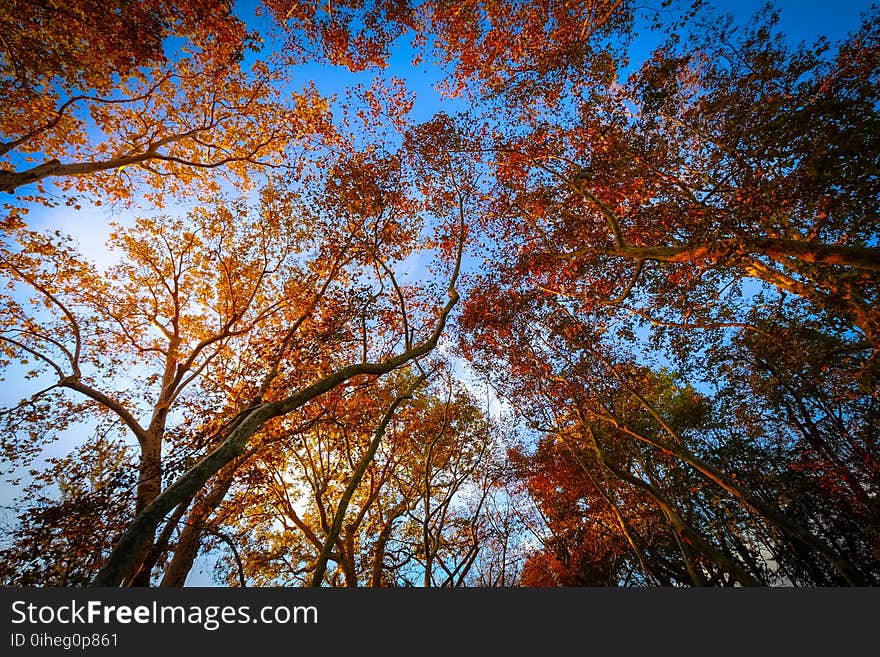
(805, 19)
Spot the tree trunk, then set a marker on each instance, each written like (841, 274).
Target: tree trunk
(381, 543)
(148, 488)
(688, 538)
(339, 516)
(787, 526)
(188, 544)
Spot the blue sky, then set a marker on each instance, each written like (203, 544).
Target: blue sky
(805, 19)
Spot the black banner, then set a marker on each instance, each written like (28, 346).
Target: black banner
(402, 621)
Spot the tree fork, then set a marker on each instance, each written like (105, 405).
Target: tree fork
(123, 555)
(339, 516)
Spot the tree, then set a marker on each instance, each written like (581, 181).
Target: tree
(705, 170)
(355, 489)
(819, 413)
(577, 386)
(681, 215)
(450, 473)
(185, 297)
(271, 289)
(371, 212)
(169, 97)
(61, 541)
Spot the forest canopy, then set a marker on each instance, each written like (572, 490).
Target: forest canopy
(441, 294)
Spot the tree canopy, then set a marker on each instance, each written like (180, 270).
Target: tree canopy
(595, 313)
